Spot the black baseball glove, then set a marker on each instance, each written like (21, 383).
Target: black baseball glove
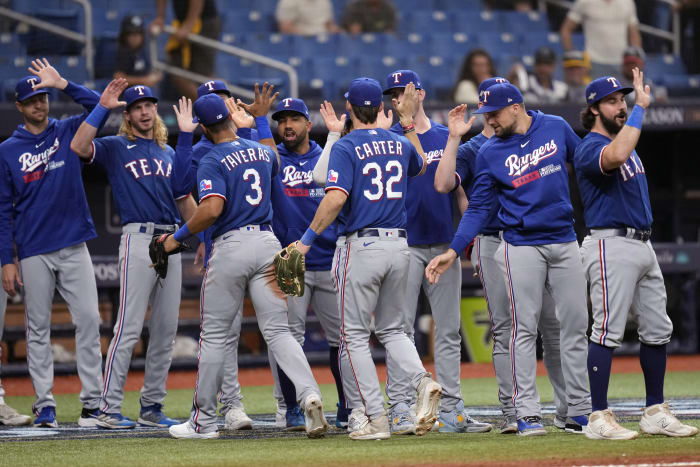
(159, 257)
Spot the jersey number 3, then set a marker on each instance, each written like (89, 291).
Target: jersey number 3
(254, 185)
(377, 180)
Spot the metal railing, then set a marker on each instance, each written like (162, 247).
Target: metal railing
(229, 49)
(85, 39)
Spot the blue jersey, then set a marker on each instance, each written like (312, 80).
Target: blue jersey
(240, 172)
(527, 175)
(42, 200)
(295, 198)
(372, 168)
(466, 170)
(611, 199)
(145, 178)
(429, 213)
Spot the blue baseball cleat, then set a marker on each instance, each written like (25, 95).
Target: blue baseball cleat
(531, 426)
(295, 419)
(152, 415)
(46, 418)
(341, 417)
(114, 421)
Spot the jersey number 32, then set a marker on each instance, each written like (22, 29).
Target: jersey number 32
(392, 168)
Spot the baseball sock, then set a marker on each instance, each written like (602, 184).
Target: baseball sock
(652, 358)
(289, 392)
(599, 363)
(335, 369)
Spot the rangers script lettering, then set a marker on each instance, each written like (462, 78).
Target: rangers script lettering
(32, 161)
(517, 165)
(294, 177)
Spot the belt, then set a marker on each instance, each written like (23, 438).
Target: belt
(261, 228)
(629, 232)
(156, 230)
(494, 234)
(375, 233)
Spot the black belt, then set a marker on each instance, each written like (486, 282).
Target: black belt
(496, 234)
(375, 233)
(643, 235)
(157, 231)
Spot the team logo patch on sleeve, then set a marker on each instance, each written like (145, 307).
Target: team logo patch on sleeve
(205, 185)
(332, 176)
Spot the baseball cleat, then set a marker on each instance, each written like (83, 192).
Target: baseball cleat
(575, 424)
(187, 431)
(659, 420)
(531, 426)
(236, 419)
(559, 422)
(458, 421)
(152, 415)
(509, 425)
(294, 419)
(401, 421)
(10, 417)
(603, 425)
(281, 416)
(357, 419)
(46, 418)
(89, 417)
(427, 404)
(316, 424)
(341, 416)
(114, 421)
(377, 428)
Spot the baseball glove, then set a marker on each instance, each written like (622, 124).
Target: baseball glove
(159, 257)
(290, 266)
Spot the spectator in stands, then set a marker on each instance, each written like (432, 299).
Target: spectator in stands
(305, 17)
(196, 17)
(577, 69)
(541, 87)
(369, 16)
(609, 26)
(477, 66)
(634, 57)
(133, 63)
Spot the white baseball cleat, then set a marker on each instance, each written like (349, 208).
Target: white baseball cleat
(236, 419)
(186, 431)
(281, 416)
(427, 405)
(10, 417)
(357, 419)
(376, 428)
(316, 424)
(602, 424)
(659, 420)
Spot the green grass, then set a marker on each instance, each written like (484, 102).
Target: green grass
(556, 448)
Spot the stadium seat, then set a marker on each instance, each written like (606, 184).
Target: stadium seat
(106, 55)
(524, 23)
(499, 43)
(40, 42)
(316, 46)
(532, 41)
(335, 73)
(452, 43)
(272, 45)
(471, 21)
(427, 21)
(361, 45)
(379, 67)
(659, 66)
(682, 85)
(412, 44)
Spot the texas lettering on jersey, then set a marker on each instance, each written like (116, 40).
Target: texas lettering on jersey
(141, 168)
(628, 172)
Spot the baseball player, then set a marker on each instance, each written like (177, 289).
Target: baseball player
(44, 213)
(525, 168)
(457, 167)
(234, 192)
(430, 228)
(148, 180)
(8, 415)
(366, 180)
(618, 259)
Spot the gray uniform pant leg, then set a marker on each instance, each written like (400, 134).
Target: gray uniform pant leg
(230, 395)
(3, 308)
(549, 330)
(70, 271)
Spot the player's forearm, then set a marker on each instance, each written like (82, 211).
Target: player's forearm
(445, 172)
(183, 162)
(81, 144)
(462, 201)
(186, 206)
(327, 211)
(321, 169)
(477, 213)
(413, 138)
(82, 95)
(620, 149)
(204, 215)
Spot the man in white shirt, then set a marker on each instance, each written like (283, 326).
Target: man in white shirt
(305, 17)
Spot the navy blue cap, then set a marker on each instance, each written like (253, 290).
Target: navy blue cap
(209, 109)
(487, 83)
(138, 93)
(291, 105)
(213, 86)
(364, 92)
(499, 96)
(25, 88)
(400, 78)
(602, 87)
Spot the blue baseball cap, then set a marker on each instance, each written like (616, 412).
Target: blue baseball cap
(209, 109)
(291, 105)
(400, 78)
(212, 87)
(487, 83)
(364, 92)
(138, 93)
(25, 88)
(499, 96)
(602, 87)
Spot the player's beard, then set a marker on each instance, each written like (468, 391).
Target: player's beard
(506, 131)
(611, 125)
(293, 145)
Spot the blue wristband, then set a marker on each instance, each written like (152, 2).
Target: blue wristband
(636, 117)
(263, 127)
(182, 234)
(200, 236)
(309, 237)
(97, 116)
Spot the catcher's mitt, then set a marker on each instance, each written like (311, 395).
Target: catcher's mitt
(159, 257)
(290, 266)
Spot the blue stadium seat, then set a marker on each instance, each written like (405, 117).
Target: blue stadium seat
(457, 5)
(272, 45)
(379, 67)
(412, 44)
(499, 43)
(10, 45)
(448, 43)
(361, 45)
(530, 42)
(437, 73)
(472, 22)
(316, 46)
(427, 21)
(524, 23)
(335, 73)
(106, 55)
(106, 22)
(40, 42)
(682, 85)
(244, 22)
(660, 65)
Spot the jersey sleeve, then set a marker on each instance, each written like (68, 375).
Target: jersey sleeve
(101, 148)
(588, 157)
(211, 179)
(180, 182)
(340, 169)
(464, 166)
(6, 243)
(248, 133)
(416, 164)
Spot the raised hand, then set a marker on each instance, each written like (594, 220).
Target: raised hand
(50, 77)
(408, 105)
(264, 99)
(183, 112)
(110, 96)
(455, 121)
(239, 116)
(385, 121)
(333, 123)
(642, 93)
(439, 265)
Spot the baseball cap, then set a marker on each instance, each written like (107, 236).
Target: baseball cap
(291, 105)
(364, 92)
(209, 109)
(400, 78)
(138, 93)
(499, 96)
(488, 82)
(211, 87)
(634, 54)
(576, 58)
(545, 55)
(25, 88)
(602, 87)
(132, 23)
